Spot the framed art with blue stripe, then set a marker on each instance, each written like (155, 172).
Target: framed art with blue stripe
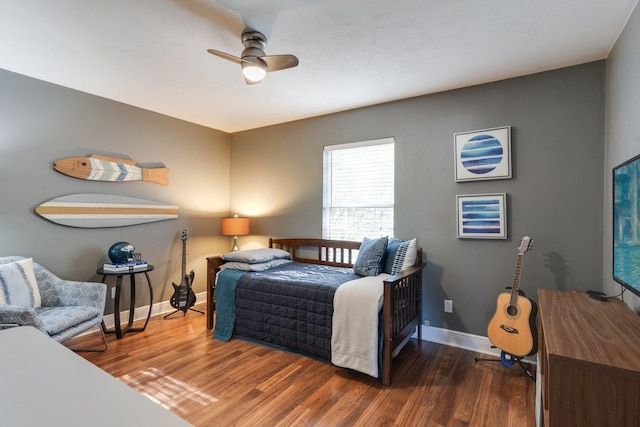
(482, 216)
(483, 154)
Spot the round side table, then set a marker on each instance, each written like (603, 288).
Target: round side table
(118, 329)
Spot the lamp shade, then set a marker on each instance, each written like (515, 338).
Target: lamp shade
(236, 226)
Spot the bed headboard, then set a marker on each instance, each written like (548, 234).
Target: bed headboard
(337, 253)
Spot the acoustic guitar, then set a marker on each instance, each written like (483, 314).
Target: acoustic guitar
(512, 328)
(183, 297)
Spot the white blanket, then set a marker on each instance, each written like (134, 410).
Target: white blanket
(354, 337)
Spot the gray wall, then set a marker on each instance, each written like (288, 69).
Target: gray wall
(274, 175)
(41, 122)
(623, 134)
(557, 121)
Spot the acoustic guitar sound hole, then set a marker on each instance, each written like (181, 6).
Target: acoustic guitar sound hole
(512, 310)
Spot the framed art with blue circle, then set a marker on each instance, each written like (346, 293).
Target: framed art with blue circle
(483, 154)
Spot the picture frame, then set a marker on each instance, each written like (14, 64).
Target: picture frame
(482, 216)
(483, 154)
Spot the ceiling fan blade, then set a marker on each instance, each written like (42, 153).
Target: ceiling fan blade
(226, 56)
(279, 62)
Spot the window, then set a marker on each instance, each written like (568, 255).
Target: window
(358, 190)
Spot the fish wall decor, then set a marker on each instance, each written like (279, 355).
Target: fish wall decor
(105, 168)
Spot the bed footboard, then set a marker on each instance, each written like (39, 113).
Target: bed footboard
(402, 312)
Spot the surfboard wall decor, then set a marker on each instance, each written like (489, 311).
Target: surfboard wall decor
(104, 168)
(94, 210)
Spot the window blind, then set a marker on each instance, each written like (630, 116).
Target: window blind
(358, 193)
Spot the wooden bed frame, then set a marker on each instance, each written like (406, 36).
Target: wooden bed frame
(402, 304)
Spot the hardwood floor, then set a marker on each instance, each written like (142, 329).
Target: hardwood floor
(176, 363)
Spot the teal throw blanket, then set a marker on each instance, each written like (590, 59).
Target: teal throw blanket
(226, 303)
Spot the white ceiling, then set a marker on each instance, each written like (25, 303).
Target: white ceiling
(353, 53)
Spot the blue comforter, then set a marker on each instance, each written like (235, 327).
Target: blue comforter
(288, 307)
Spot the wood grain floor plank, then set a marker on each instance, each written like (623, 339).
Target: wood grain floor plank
(177, 363)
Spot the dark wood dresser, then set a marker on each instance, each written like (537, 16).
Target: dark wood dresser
(589, 361)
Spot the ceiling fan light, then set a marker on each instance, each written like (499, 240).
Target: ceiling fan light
(254, 71)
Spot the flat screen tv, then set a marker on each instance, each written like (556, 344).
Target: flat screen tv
(626, 224)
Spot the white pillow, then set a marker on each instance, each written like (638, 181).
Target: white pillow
(412, 253)
(253, 256)
(18, 284)
(258, 266)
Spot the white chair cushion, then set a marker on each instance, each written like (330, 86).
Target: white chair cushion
(18, 284)
(59, 319)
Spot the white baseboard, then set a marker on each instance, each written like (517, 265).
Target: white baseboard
(475, 343)
(140, 313)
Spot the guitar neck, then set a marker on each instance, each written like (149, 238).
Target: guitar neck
(184, 257)
(516, 280)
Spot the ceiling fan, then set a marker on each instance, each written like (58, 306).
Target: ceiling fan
(255, 64)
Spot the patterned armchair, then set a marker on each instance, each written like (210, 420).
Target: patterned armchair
(63, 308)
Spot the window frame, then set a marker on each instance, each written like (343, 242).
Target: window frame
(328, 190)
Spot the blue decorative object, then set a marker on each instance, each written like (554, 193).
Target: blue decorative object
(121, 252)
(506, 361)
(482, 216)
(483, 154)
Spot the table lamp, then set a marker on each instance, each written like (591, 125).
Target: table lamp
(235, 227)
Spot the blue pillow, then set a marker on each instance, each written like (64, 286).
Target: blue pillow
(400, 254)
(390, 254)
(370, 256)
